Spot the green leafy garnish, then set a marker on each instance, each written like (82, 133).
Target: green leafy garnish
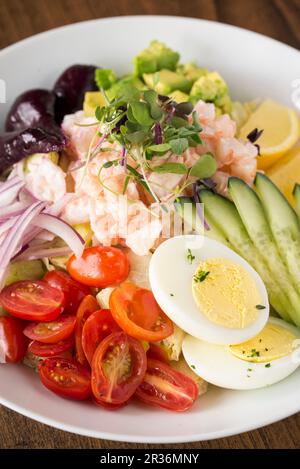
(200, 276)
(260, 307)
(254, 353)
(267, 365)
(105, 78)
(175, 168)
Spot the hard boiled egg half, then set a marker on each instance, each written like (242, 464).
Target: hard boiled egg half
(261, 361)
(208, 290)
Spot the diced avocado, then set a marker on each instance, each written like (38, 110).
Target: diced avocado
(179, 96)
(85, 231)
(224, 103)
(227, 220)
(112, 92)
(191, 71)
(156, 57)
(165, 81)
(283, 222)
(92, 99)
(105, 78)
(60, 262)
(296, 194)
(24, 270)
(254, 219)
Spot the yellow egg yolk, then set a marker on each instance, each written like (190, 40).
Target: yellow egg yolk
(226, 293)
(272, 342)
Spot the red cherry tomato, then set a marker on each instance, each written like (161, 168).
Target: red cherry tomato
(53, 331)
(165, 387)
(156, 352)
(33, 300)
(99, 266)
(50, 350)
(12, 341)
(67, 378)
(138, 314)
(118, 368)
(74, 291)
(98, 325)
(88, 305)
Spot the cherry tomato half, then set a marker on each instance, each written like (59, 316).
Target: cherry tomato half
(138, 314)
(118, 368)
(99, 266)
(33, 300)
(52, 331)
(12, 341)
(165, 387)
(67, 378)
(88, 305)
(156, 352)
(50, 350)
(98, 325)
(74, 291)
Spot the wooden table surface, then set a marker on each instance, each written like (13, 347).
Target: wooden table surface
(21, 18)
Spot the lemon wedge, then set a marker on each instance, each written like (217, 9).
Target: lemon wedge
(281, 131)
(286, 173)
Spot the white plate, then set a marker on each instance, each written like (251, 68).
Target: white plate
(254, 66)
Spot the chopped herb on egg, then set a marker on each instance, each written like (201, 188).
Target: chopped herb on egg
(200, 276)
(267, 365)
(254, 353)
(190, 256)
(260, 307)
(171, 294)
(193, 366)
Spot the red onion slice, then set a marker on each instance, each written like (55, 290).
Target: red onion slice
(61, 229)
(9, 191)
(40, 252)
(13, 210)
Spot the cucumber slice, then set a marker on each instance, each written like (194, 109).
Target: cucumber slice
(254, 219)
(227, 219)
(283, 222)
(296, 194)
(186, 208)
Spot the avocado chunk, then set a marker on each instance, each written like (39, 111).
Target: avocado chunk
(92, 99)
(179, 96)
(156, 57)
(212, 88)
(24, 270)
(165, 81)
(105, 78)
(116, 88)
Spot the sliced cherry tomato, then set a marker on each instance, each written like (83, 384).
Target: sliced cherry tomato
(33, 300)
(109, 406)
(67, 378)
(52, 331)
(138, 314)
(74, 291)
(165, 387)
(99, 266)
(50, 350)
(156, 352)
(88, 305)
(99, 325)
(118, 368)
(12, 341)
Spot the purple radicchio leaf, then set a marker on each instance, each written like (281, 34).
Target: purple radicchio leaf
(158, 134)
(71, 87)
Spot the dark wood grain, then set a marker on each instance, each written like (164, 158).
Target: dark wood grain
(279, 19)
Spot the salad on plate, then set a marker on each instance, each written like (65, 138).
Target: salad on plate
(149, 235)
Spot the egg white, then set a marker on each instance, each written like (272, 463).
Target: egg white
(171, 277)
(218, 366)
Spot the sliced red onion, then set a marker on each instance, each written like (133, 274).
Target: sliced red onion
(61, 229)
(25, 195)
(13, 239)
(40, 252)
(199, 207)
(6, 225)
(209, 183)
(124, 158)
(9, 191)
(13, 210)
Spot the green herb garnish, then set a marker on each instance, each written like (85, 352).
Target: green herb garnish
(171, 294)
(200, 276)
(254, 353)
(193, 367)
(260, 307)
(190, 257)
(267, 365)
